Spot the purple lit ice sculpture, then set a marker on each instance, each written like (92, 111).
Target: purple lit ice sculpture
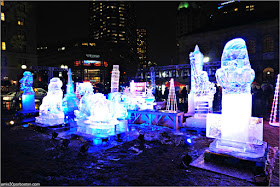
(236, 131)
(51, 112)
(202, 92)
(28, 98)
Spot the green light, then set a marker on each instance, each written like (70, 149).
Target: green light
(183, 5)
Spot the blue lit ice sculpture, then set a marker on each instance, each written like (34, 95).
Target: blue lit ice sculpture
(28, 98)
(236, 131)
(70, 102)
(51, 112)
(95, 115)
(202, 90)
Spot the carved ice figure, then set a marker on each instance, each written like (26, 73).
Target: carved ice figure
(202, 90)
(26, 83)
(100, 110)
(235, 75)
(70, 101)
(200, 83)
(120, 103)
(28, 98)
(236, 130)
(86, 90)
(51, 111)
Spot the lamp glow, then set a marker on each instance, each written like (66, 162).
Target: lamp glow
(12, 122)
(23, 66)
(206, 59)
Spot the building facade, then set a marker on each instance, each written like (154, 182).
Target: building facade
(142, 47)
(113, 24)
(18, 44)
(256, 22)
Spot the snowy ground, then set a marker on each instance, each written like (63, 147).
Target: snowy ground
(32, 156)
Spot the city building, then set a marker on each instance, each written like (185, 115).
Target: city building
(256, 22)
(113, 24)
(18, 44)
(86, 60)
(142, 47)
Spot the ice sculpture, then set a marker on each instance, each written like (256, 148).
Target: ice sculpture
(171, 101)
(234, 126)
(70, 102)
(202, 92)
(86, 90)
(120, 102)
(95, 115)
(141, 96)
(115, 79)
(28, 98)
(50, 111)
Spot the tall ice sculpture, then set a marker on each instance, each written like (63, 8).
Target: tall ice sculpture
(28, 97)
(70, 101)
(236, 132)
(200, 99)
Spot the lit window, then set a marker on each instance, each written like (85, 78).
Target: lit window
(121, 25)
(92, 44)
(85, 44)
(122, 38)
(3, 46)
(121, 14)
(20, 22)
(2, 16)
(252, 7)
(108, 17)
(2, 3)
(108, 31)
(236, 9)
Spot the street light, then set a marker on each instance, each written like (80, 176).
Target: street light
(62, 66)
(206, 59)
(23, 66)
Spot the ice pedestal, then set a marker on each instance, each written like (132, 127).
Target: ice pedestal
(238, 149)
(50, 119)
(102, 129)
(28, 102)
(236, 114)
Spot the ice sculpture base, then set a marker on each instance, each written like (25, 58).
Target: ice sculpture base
(195, 122)
(238, 149)
(50, 120)
(102, 129)
(28, 102)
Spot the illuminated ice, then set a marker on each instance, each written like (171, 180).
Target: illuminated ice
(235, 129)
(86, 90)
(120, 102)
(28, 98)
(142, 97)
(50, 111)
(70, 101)
(95, 115)
(202, 90)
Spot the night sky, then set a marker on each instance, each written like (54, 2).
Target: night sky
(61, 21)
